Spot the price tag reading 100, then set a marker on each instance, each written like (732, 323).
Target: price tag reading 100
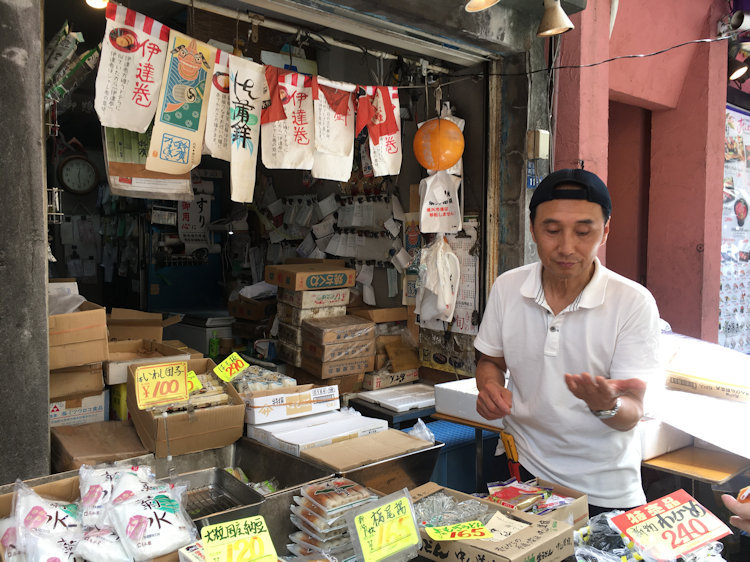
(243, 540)
(164, 383)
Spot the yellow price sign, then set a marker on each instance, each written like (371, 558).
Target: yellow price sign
(459, 531)
(230, 367)
(161, 384)
(194, 384)
(242, 540)
(386, 529)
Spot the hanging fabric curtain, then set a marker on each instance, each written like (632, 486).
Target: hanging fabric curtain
(217, 136)
(334, 129)
(378, 109)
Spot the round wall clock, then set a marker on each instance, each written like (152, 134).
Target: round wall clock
(77, 174)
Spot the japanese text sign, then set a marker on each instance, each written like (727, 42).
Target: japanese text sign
(386, 529)
(230, 367)
(242, 540)
(459, 531)
(671, 526)
(160, 384)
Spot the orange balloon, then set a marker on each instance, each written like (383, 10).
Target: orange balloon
(438, 144)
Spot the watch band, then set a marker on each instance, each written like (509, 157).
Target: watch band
(607, 414)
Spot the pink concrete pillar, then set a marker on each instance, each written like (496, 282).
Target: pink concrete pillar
(684, 228)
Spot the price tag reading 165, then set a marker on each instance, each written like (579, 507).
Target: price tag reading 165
(230, 367)
(244, 540)
(160, 384)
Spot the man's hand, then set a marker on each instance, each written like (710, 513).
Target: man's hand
(741, 519)
(494, 400)
(600, 393)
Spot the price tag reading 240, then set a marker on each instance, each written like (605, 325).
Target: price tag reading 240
(243, 540)
(160, 384)
(230, 367)
(386, 529)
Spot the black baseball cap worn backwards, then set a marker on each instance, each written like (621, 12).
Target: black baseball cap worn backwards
(593, 189)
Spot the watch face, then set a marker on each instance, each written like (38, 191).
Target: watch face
(78, 174)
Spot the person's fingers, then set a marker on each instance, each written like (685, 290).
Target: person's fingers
(493, 403)
(736, 507)
(629, 385)
(740, 523)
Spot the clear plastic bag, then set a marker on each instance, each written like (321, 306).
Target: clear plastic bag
(440, 509)
(102, 545)
(43, 517)
(421, 431)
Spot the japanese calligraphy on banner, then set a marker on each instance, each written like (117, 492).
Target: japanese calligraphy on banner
(289, 142)
(130, 69)
(177, 139)
(334, 129)
(671, 526)
(380, 110)
(160, 384)
(242, 540)
(216, 139)
(246, 88)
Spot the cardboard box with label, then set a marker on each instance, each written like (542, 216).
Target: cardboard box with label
(357, 365)
(74, 381)
(252, 309)
(93, 443)
(78, 410)
(337, 351)
(78, 338)
(336, 330)
(124, 353)
(128, 324)
(314, 299)
(289, 353)
(346, 384)
(307, 277)
(291, 402)
(294, 316)
(384, 379)
(525, 537)
(188, 432)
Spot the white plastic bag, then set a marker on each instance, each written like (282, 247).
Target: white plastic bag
(440, 208)
(439, 276)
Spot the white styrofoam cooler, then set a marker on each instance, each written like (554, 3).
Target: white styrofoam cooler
(459, 399)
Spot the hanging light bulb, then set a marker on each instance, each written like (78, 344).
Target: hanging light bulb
(554, 21)
(479, 5)
(98, 4)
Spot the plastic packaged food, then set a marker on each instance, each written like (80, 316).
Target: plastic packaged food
(334, 546)
(317, 521)
(303, 525)
(102, 545)
(8, 540)
(42, 516)
(60, 548)
(336, 494)
(96, 485)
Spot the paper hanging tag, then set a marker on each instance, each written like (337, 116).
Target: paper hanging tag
(365, 274)
(392, 226)
(368, 295)
(392, 274)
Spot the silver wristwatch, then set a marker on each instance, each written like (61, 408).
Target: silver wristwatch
(606, 414)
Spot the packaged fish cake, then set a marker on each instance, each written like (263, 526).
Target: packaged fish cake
(318, 522)
(334, 546)
(303, 525)
(337, 494)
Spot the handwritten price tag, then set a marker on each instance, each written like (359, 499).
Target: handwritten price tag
(194, 384)
(671, 526)
(459, 531)
(230, 367)
(242, 540)
(164, 383)
(387, 529)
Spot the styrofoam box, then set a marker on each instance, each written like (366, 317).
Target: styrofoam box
(290, 402)
(459, 399)
(659, 438)
(402, 398)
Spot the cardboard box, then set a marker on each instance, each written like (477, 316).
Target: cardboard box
(74, 381)
(338, 351)
(358, 365)
(65, 489)
(93, 443)
(541, 539)
(128, 324)
(374, 381)
(295, 436)
(314, 299)
(382, 341)
(289, 353)
(81, 409)
(194, 353)
(291, 402)
(342, 328)
(201, 429)
(306, 276)
(118, 402)
(294, 316)
(368, 449)
(575, 514)
(123, 354)
(290, 334)
(347, 384)
(380, 315)
(381, 360)
(338, 262)
(78, 338)
(252, 309)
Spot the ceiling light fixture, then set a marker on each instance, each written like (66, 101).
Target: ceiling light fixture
(554, 21)
(98, 4)
(479, 5)
(736, 69)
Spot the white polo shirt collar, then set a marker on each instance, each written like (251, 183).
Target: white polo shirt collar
(591, 296)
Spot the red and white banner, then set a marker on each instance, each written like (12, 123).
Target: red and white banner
(385, 131)
(131, 68)
(334, 129)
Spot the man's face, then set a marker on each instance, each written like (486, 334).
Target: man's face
(568, 234)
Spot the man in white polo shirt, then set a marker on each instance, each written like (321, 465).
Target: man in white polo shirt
(578, 342)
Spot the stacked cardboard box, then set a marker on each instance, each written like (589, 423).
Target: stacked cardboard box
(339, 346)
(77, 349)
